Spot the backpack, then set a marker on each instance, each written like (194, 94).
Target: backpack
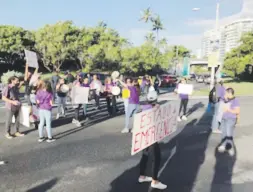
(213, 96)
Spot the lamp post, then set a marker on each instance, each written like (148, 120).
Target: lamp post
(216, 41)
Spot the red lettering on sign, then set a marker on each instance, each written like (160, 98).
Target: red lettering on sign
(144, 135)
(158, 115)
(143, 120)
(149, 116)
(166, 127)
(137, 142)
(152, 134)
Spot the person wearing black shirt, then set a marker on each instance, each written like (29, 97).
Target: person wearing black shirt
(54, 80)
(61, 98)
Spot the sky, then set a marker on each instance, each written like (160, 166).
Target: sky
(182, 25)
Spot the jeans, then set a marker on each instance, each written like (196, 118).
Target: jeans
(125, 104)
(156, 154)
(8, 120)
(227, 129)
(215, 121)
(131, 109)
(111, 105)
(61, 105)
(183, 105)
(97, 98)
(45, 115)
(77, 109)
(85, 107)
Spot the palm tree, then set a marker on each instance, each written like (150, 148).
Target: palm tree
(157, 26)
(146, 15)
(150, 37)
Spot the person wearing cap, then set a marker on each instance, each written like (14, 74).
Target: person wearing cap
(220, 91)
(153, 150)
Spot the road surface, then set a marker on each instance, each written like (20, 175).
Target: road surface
(96, 157)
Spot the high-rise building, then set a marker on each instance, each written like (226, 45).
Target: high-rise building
(229, 37)
(230, 32)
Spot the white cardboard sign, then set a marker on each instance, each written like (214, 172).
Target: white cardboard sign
(153, 125)
(24, 116)
(185, 89)
(31, 59)
(80, 95)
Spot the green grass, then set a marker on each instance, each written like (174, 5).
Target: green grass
(241, 89)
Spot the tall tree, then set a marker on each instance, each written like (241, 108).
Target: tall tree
(150, 38)
(157, 26)
(56, 44)
(13, 41)
(146, 15)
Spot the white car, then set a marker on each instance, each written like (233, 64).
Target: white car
(200, 79)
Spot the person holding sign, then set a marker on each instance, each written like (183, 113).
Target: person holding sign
(153, 149)
(132, 104)
(97, 86)
(183, 103)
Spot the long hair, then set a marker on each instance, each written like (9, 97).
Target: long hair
(48, 87)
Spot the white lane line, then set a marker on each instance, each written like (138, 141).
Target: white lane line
(173, 152)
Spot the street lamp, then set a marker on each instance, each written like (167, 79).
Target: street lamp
(216, 41)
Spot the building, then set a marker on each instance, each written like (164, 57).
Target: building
(229, 37)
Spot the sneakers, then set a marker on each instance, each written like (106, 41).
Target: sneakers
(50, 140)
(8, 136)
(222, 148)
(125, 130)
(57, 116)
(2, 162)
(179, 119)
(216, 131)
(74, 120)
(184, 118)
(41, 139)
(18, 134)
(144, 179)
(158, 185)
(231, 152)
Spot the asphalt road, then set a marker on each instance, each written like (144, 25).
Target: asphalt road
(96, 157)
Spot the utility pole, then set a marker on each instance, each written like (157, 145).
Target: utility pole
(176, 59)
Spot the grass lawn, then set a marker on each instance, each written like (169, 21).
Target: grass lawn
(241, 89)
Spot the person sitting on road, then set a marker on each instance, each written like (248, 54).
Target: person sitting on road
(153, 149)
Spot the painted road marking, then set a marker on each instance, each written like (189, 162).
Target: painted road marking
(173, 152)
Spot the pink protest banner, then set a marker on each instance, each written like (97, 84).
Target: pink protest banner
(153, 125)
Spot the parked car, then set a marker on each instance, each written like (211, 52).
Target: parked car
(168, 80)
(200, 79)
(192, 77)
(207, 79)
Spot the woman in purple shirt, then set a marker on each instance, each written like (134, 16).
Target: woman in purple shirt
(229, 120)
(183, 104)
(133, 103)
(44, 100)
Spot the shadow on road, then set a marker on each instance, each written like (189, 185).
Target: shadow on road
(45, 186)
(194, 108)
(222, 179)
(181, 172)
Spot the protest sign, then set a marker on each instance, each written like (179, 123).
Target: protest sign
(24, 116)
(185, 89)
(153, 125)
(31, 59)
(80, 95)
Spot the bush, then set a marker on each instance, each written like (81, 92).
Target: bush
(8, 74)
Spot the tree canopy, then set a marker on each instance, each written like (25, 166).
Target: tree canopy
(100, 48)
(237, 59)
